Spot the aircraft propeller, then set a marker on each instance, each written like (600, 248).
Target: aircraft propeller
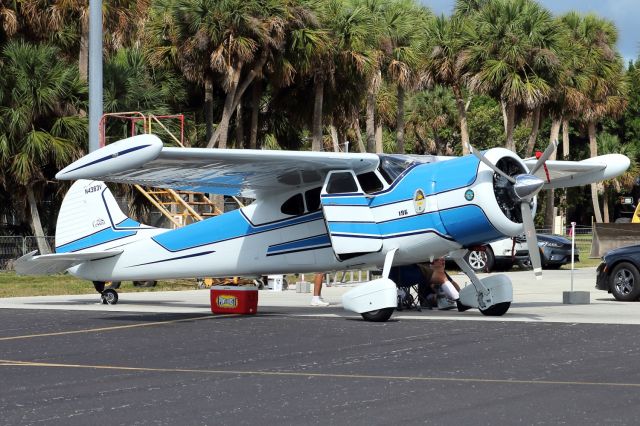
(525, 186)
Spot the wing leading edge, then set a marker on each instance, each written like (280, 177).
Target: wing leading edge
(564, 174)
(241, 172)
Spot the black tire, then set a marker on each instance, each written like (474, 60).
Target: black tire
(109, 297)
(481, 260)
(146, 283)
(380, 315)
(497, 310)
(624, 282)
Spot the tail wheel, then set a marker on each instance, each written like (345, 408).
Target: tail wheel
(496, 310)
(109, 297)
(379, 315)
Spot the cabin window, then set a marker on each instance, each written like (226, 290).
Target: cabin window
(293, 206)
(312, 197)
(393, 166)
(341, 182)
(370, 182)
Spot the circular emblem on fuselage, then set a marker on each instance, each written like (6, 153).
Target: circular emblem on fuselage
(468, 195)
(419, 201)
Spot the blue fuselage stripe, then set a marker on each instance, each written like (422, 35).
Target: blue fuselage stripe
(222, 228)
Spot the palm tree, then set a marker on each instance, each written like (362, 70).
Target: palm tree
(512, 55)
(54, 20)
(603, 84)
(8, 20)
(132, 84)
(430, 112)
(610, 144)
(208, 39)
(39, 125)
(405, 22)
(446, 63)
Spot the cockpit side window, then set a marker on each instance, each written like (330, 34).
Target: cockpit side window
(312, 197)
(392, 166)
(370, 182)
(293, 206)
(341, 182)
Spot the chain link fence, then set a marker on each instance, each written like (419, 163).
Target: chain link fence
(12, 247)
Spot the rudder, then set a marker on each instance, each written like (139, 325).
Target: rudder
(90, 218)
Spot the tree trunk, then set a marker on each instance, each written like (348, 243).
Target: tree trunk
(239, 127)
(222, 132)
(535, 126)
(208, 105)
(510, 124)
(255, 71)
(379, 146)
(438, 142)
(605, 206)
(83, 56)
(549, 217)
(565, 139)
(400, 122)
(593, 149)
(36, 224)
(370, 123)
(356, 128)
(334, 138)
(565, 156)
(256, 94)
(316, 143)
(462, 114)
(503, 107)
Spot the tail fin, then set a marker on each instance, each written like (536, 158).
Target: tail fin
(90, 218)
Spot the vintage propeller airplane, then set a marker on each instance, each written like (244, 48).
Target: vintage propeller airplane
(313, 211)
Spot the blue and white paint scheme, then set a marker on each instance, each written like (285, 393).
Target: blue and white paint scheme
(312, 212)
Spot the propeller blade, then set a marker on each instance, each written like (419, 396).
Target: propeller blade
(545, 156)
(532, 239)
(490, 164)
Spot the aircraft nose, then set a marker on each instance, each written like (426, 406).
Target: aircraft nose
(527, 186)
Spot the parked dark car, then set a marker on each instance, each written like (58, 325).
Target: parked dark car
(619, 273)
(555, 251)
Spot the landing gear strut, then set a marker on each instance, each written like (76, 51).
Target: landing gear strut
(108, 296)
(491, 295)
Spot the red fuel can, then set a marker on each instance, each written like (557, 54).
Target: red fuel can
(234, 299)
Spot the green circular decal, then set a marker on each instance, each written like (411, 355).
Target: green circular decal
(468, 195)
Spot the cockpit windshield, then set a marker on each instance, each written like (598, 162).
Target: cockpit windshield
(392, 166)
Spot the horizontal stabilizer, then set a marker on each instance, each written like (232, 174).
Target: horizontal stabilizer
(30, 264)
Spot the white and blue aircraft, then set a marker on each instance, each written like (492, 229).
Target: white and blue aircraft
(313, 211)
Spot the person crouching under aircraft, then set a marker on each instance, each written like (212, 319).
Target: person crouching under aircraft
(440, 278)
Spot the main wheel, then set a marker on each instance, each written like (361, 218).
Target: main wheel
(109, 297)
(481, 260)
(379, 315)
(496, 310)
(625, 282)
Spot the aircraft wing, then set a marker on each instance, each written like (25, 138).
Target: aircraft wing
(45, 264)
(144, 160)
(564, 174)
